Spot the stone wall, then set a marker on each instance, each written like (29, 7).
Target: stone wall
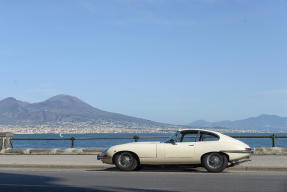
(66, 151)
(271, 151)
(95, 151)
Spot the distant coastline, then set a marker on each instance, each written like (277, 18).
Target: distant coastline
(68, 114)
(45, 129)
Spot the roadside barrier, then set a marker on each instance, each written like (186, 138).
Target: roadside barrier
(136, 138)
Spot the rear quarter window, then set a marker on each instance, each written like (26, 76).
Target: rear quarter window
(205, 136)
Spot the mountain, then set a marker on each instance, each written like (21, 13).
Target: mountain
(261, 123)
(62, 108)
(10, 108)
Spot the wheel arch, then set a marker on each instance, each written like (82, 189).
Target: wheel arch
(119, 152)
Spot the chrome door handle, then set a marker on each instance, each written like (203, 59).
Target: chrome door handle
(190, 145)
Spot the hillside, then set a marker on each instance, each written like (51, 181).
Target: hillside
(62, 108)
(261, 123)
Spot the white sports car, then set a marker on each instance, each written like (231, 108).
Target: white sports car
(209, 149)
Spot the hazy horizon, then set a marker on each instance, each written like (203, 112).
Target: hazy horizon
(166, 61)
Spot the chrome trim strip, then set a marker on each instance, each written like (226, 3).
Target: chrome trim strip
(237, 151)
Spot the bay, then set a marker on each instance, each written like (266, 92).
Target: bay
(252, 142)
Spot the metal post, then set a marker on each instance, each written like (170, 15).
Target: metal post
(5, 141)
(73, 142)
(273, 140)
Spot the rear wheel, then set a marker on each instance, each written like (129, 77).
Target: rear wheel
(214, 162)
(126, 161)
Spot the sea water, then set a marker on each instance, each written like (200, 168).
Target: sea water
(252, 142)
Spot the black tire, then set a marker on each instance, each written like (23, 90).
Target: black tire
(126, 161)
(214, 162)
(139, 167)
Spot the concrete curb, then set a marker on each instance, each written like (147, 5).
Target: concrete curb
(257, 168)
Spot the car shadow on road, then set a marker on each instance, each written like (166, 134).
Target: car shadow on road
(156, 168)
(10, 182)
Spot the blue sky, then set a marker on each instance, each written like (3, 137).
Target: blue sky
(164, 60)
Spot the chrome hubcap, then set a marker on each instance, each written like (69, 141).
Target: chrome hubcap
(214, 161)
(125, 160)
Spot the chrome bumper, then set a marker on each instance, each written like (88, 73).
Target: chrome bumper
(99, 157)
(103, 156)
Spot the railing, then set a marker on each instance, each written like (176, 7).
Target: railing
(136, 138)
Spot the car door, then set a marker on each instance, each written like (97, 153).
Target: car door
(181, 150)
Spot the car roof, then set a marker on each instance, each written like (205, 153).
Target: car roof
(197, 129)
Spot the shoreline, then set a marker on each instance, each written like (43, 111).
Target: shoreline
(129, 131)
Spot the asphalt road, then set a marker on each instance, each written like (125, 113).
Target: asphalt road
(148, 179)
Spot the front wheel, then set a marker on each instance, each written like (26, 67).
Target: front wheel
(215, 162)
(126, 161)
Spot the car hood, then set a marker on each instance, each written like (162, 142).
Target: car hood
(138, 143)
(152, 142)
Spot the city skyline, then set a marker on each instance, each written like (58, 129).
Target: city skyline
(167, 61)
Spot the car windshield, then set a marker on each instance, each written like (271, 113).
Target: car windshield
(175, 137)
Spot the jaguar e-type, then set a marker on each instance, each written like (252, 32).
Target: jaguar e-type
(201, 148)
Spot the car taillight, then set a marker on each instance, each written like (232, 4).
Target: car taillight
(105, 155)
(248, 149)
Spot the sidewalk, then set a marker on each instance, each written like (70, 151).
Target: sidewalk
(257, 163)
(52, 161)
(264, 163)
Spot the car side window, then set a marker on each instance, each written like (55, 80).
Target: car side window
(179, 137)
(189, 137)
(208, 137)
